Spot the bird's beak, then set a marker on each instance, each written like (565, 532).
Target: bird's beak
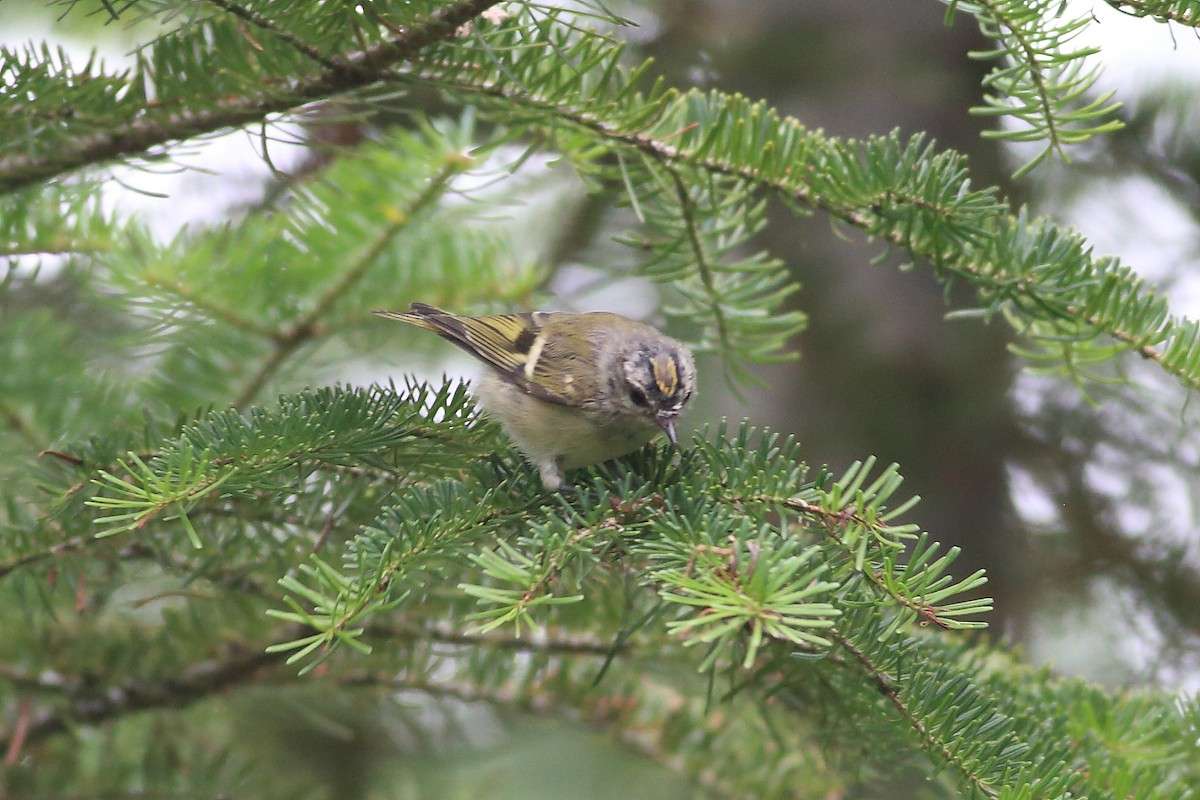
(668, 426)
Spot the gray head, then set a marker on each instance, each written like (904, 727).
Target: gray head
(660, 379)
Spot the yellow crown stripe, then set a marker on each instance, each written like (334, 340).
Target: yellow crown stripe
(666, 375)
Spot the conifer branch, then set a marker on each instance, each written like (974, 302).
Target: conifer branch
(1036, 75)
(23, 428)
(148, 127)
(191, 685)
(1185, 12)
(887, 686)
(703, 267)
(832, 521)
(258, 20)
(375, 504)
(73, 247)
(989, 278)
(534, 641)
(232, 576)
(217, 311)
(53, 551)
(1041, 81)
(285, 344)
(603, 709)
(308, 326)
(243, 453)
(89, 704)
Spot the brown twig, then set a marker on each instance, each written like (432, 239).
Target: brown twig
(178, 691)
(151, 126)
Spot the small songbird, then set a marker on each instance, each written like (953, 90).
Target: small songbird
(570, 389)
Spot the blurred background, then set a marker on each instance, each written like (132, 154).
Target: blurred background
(1084, 515)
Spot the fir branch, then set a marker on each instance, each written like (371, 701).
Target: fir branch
(924, 610)
(146, 128)
(53, 551)
(608, 710)
(308, 326)
(955, 231)
(731, 578)
(532, 641)
(406, 543)
(853, 516)
(242, 453)
(1185, 12)
(888, 686)
(190, 685)
(271, 26)
(55, 221)
(231, 576)
(19, 425)
(530, 579)
(217, 311)
(718, 541)
(903, 193)
(88, 704)
(1042, 83)
(983, 252)
(703, 267)
(1008, 730)
(1004, 25)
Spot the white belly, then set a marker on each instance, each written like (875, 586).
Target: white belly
(561, 435)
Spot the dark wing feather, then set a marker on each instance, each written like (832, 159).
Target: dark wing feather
(503, 342)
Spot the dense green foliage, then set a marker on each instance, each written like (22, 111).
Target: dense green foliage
(184, 520)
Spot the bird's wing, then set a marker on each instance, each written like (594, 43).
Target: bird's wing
(512, 345)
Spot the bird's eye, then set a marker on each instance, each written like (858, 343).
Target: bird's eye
(637, 396)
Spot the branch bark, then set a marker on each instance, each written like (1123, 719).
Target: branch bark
(146, 130)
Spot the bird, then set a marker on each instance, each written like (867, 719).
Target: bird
(570, 389)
